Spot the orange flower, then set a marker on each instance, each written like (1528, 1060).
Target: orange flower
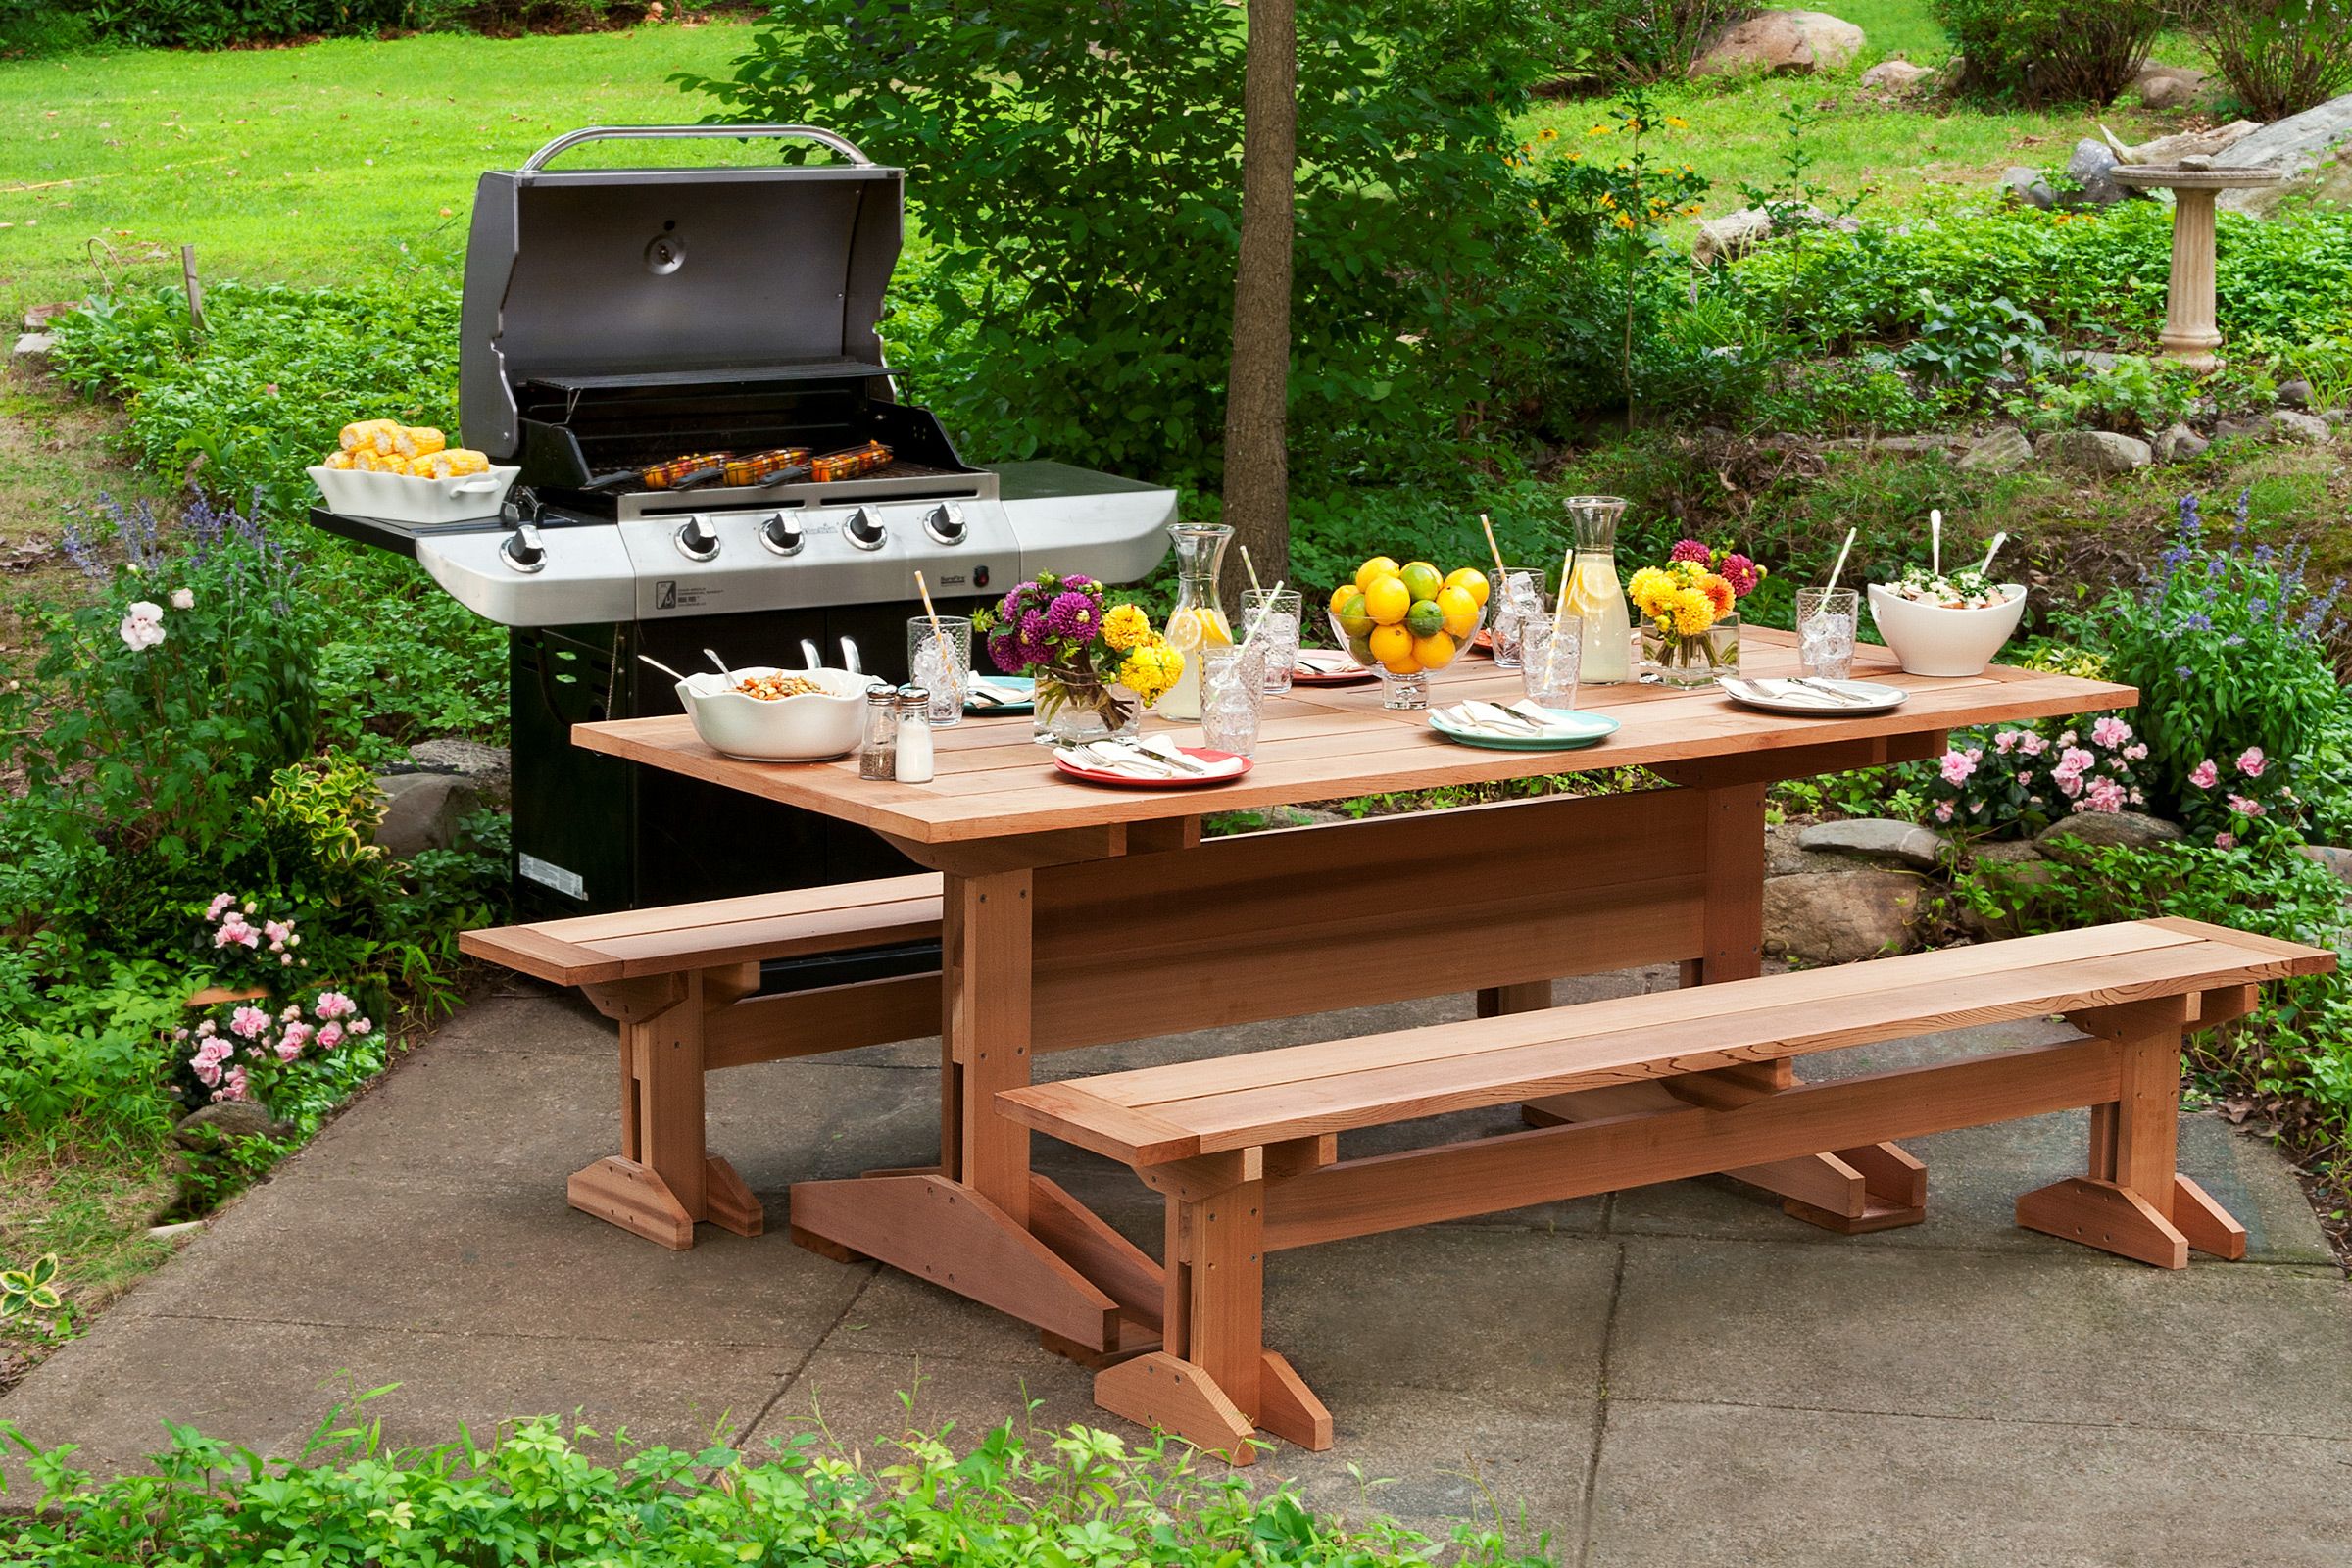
(1719, 594)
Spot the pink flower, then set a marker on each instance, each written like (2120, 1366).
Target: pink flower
(2250, 762)
(183, 599)
(2071, 766)
(1691, 550)
(249, 1023)
(364, 1026)
(293, 1010)
(334, 1004)
(2225, 841)
(1943, 810)
(2110, 732)
(2137, 751)
(1956, 767)
(2024, 778)
(2243, 806)
(1741, 573)
(330, 1036)
(2035, 745)
(2066, 737)
(143, 627)
(2104, 794)
(1975, 753)
(236, 1088)
(2204, 774)
(2005, 741)
(277, 931)
(2069, 785)
(220, 901)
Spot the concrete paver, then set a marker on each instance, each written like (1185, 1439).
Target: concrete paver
(1675, 1375)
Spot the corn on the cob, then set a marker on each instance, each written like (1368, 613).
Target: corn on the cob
(363, 433)
(449, 464)
(338, 459)
(764, 467)
(848, 465)
(366, 459)
(417, 441)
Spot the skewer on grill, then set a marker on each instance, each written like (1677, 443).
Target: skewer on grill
(848, 465)
(678, 473)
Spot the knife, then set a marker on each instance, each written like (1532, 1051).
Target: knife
(1166, 751)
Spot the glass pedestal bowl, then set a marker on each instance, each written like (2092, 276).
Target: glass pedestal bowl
(1404, 684)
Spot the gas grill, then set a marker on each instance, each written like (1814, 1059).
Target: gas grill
(617, 318)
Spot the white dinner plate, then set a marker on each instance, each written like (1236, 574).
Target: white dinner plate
(1822, 699)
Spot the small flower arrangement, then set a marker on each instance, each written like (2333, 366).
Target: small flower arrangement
(2240, 800)
(1097, 665)
(2026, 779)
(240, 1056)
(1689, 611)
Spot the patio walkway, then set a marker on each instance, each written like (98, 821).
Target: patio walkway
(1677, 1375)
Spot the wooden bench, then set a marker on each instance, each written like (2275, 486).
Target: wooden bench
(1645, 1089)
(679, 980)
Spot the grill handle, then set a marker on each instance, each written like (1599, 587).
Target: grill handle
(536, 163)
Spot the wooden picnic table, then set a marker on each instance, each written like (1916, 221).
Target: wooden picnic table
(1075, 914)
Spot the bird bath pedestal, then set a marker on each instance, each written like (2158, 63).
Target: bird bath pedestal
(2190, 335)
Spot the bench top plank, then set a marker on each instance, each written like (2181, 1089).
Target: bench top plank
(631, 944)
(1155, 1114)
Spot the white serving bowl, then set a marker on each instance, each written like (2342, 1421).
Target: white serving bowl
(1934, 640)
(808, 728)
(405, 497)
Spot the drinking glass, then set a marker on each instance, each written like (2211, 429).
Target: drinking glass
(1279, 631)
(1516, 597)
(1551, 674)
(1825, 632)
(1233, 693)
(941, 661)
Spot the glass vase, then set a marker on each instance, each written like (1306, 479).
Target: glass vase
(1198, 620)
(1594, 592)
(1074, 706)
(1692, 660)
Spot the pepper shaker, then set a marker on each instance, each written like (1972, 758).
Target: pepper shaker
(878, 753)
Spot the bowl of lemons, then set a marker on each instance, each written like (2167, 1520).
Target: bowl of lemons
(1404, 621)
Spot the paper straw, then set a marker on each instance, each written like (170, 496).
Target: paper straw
(939, 634)
(1559, 623)
(1990, 551)
(1935, 542)
(1502, 573)
(1263, 610)
(1250, 566)
(1839, 566)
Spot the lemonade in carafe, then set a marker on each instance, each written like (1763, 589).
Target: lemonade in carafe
(1593, 593)
(1197, 621)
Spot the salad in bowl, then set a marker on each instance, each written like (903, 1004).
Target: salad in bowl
(1945, 624)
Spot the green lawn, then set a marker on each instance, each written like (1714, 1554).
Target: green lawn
(323, 162)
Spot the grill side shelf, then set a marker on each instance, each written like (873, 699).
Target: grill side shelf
(400, 538)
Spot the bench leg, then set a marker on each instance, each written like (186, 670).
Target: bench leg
(2134, 1203)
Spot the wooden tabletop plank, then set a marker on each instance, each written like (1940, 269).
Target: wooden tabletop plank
(1322, 743)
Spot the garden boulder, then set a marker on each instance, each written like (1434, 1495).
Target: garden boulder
(488, 769)
(2194, 143)
(422, 811)
(2005, 451)
(1896, 76)
(2028, 186)
(2338, 861)
(2306, 149)
(1876, 838)
(2308, 428)
(2169, 86)
(225, 1121)
(2092, 167)
(2135, 829)
(1722, 239)
(1842, 918)
(2178, 443)
(1783, 42)
(2098, 451)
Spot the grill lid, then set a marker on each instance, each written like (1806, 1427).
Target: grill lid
(599, 280)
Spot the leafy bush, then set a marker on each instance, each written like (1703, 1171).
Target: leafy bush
(218, 23)
(2228, 645)
(2132, 394)
(1075, 171)
(2051, 51)
(1644, 41)
(537, 1496)
(2280, 57)
(1974, 340)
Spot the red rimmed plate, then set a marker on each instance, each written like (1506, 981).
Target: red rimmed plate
(1340, 674)
(1229, 766)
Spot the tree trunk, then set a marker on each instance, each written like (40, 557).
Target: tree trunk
(1257, 465)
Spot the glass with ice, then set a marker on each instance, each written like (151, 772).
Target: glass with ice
(1518, 597)
(1233, 692)
(1825, 632)
(1277, 630)
(938, 659)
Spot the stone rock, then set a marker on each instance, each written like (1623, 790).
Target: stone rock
(2255, 425)
(1783, 856)
(2295, 394)
(1896, 76)
(1878, 837)
(2093, 359)
(2338, 416)
(35, 348)
(2135, 829)
(2308, 428)
(2196, 143)
(2026, 185)
(489, 768)
(2169, 86)
(1781, 43)
(2304, 148)
(422, 811)
(2179, 443)
(1914, 445)
(1734, 234)
(228, 1119)
(1841, 919)
(2092, 167)
(2005, 451)
(2338, 861)
(2100, 452)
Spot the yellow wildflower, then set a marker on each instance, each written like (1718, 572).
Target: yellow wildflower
(1677, 122)
(1549, 133)
(1624, 221)
(1597, 131)
(1126, 626)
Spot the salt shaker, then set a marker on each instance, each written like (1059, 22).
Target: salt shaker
(914, 735)
(878, 754)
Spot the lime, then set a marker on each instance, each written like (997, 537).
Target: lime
(1354, 619)
(1359, 649)
(1422, 580)
(1424, 618)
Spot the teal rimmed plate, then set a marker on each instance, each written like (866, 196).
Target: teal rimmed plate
(1569, 731)
(1023, 684)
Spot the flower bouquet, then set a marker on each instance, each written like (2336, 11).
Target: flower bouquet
(1097, 666)
(1689, 612)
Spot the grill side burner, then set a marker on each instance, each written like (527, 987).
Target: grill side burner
(615, 318)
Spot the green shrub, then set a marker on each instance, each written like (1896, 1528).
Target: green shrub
(533, 1494)
(1644, 41)
(1075, 173)
(218, 23)
(2051, 51)
(2280, 57)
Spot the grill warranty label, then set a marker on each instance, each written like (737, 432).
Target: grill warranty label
(669, 594)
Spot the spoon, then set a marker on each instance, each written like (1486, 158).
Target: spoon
(724, 667)
(648, 659)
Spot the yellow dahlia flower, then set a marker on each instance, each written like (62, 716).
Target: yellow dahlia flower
(1125, 628)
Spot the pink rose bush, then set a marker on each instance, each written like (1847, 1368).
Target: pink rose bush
(2023, 780)
(2242, 800)
(244, 1048)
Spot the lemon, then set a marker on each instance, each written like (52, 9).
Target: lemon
(1393, 646)
(1424, 618)
(1341, 595)
(1473, 582)
(1433, 652)
(1214, 632)
(1458, 611)
(1371, 571)
(1354, 619)
(1422, 580)
(1387, 600)
(1184, 631)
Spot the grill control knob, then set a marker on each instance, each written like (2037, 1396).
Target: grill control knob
(945, 523)
(864, 529)
(697, 539)
(524, 551)
(782, 535)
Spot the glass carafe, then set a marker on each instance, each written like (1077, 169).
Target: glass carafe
(1198, 620)
(1594, 592)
